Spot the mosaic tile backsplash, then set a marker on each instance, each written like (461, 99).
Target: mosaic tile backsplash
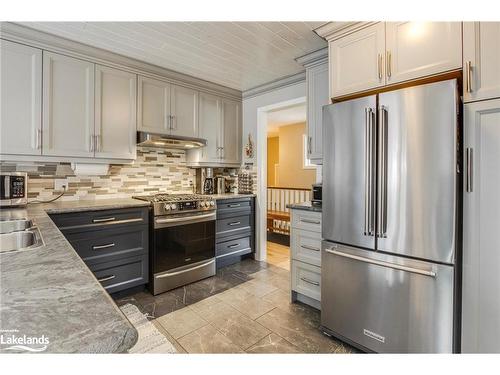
(154, 171)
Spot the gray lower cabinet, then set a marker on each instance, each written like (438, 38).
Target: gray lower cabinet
(113, 243)
(235, 230)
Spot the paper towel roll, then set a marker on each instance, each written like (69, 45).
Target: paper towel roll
(90, 169)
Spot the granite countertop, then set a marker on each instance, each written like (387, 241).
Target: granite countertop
(50, 291)
(306, 206)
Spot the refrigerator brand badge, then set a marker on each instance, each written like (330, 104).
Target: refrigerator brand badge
(374, 335)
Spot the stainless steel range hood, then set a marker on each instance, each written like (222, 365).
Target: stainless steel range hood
(169, 141)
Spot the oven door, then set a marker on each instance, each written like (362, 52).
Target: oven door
(184, 239)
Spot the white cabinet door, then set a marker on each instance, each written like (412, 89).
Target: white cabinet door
(21, 99)
(210, 109)
(68, 106)
(115, 113)
(153, 110)
(419, 49)
(317, 97)
(184, 111)
(231, 130)
(481, 249)
(356, 61)
(481, 60)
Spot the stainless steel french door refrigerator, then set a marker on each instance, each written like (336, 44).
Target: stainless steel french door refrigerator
(390, 173)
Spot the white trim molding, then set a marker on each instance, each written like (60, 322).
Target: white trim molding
(335, 30)
(275, 85)
(313, 58)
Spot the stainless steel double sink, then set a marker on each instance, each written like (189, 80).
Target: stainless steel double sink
(18, 234)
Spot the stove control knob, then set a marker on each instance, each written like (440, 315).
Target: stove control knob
(203, 203)
(173, 206)
(212, 203)
(167, 207)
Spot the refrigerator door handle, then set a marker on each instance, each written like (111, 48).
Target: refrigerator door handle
(368, 172)
(382, 183)
(395, 266)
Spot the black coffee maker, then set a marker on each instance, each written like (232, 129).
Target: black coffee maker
(209, 182)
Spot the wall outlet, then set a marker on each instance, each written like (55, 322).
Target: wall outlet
(60, 184)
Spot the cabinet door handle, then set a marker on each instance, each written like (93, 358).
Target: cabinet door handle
(469, 171)
(106, 278)
(468, 80)
(234, 223)
(104, 220)
(234, 205)
(389, 63)
(310, 221)
(99, 247)
(316, 283)
(38, 139)
(307, 247)
(92, 143)
(379, 66)
(309, 145)
(233, 246)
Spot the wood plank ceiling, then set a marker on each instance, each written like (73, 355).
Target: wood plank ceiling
(240, 55)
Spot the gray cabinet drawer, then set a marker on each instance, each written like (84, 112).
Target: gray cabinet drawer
(307, 220)
(306, 246)
(110, 244)
(234, 207)
(233, 225)
(95, 220)
(123, 274)
(306, 279)
(240, 246)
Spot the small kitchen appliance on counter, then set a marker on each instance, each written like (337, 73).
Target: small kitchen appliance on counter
(182, 240)
(13, 189)
(316, 195)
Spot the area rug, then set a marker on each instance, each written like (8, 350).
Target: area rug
(150, 339)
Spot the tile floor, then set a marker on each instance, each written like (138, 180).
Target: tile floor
(244, 308)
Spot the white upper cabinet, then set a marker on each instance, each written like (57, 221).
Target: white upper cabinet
(356, 61)
(153, 110)
(115, 113)
(419, 49)
(220, 126)
(210, 129)
(317, 97)
(184, 111)
(481, 60)
(231, 130)
(68, 106)
(21, 94)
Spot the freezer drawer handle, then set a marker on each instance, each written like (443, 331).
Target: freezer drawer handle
(309, 281)
(307, 247)
(383, 264)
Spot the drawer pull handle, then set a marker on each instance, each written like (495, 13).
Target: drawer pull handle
(316, 283)
(106, 278)
(310, 221)
(309, 248)
(234, 205)
(234, 223)
(104, 220)
(233, 246)
(99, 247)
(233, 252)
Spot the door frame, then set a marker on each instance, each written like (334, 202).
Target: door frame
(261, 206)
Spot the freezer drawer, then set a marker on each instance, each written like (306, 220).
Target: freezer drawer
(385, 303)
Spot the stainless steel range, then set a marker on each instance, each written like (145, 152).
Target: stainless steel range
(182, 239)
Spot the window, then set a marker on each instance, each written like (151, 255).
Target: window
(306, 162)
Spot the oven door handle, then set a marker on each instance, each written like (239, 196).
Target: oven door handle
(184, 271)
(194, 218)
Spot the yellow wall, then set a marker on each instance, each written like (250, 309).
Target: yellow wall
(290, 149)
(272, 159)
